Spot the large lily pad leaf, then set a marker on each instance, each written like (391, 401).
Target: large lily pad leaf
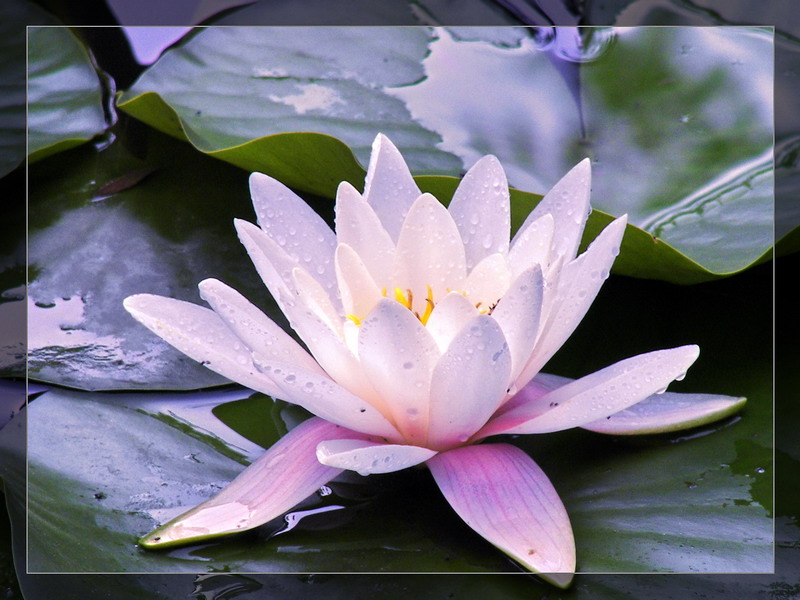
(531, 106)
(225, 89)
(65, 93)
(105, 225)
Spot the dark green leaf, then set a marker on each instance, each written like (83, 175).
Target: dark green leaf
(148, 214)
(65, 94)
(242, 94)
(698, 187)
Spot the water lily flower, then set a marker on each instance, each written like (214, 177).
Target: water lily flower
(426, 329)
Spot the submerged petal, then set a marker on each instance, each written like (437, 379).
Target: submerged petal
(481, 210)
(669, 411)
(200, 334)
(366, 457)
(504, 496)
(281, 477)
(389, 187)
(596, 396)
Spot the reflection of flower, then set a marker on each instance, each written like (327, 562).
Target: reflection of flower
(426, 330)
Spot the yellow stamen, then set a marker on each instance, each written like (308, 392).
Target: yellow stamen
(404, 299)
(355, 320)
(383, 291)
(428, 307)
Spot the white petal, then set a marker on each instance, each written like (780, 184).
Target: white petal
(398, 355)
(507, 499)
(488, 281)
(481, 210)
(311, 294)
(325, 398)
(359, 291)
(579, 283)
(429, 252)
(518, 313)
(359, 227)
(568, 202)
(389, 187)
(295, 227)
(272, 263)
(329, 349)
(468, 384)
(253, 327)
(532, 245)
(283, 476)
(202, 335)
(449, 316)
(661, 413)
(367, 457)
(598, 395)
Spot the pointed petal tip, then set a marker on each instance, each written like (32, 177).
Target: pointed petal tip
(209, 283)
(561, 580)
(137, 302)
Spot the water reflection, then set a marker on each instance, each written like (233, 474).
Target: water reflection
(662, 112)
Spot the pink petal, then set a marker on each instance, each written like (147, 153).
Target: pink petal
(389, 187)
(366, 457)
(469, 382)
(359, 227)
(661, 413)
(596, 396)
(253, 327)
(481, 210)
(201, 334)
(325, 398)
(504, 496)
(568, 202)
(398, 354)
(281, 477)
(295, 227)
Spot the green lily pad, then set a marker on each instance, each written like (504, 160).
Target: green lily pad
(705, 187)
(65, 93)
(243, 94)
(147, 214)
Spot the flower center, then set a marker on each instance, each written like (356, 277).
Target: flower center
(406, 298)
